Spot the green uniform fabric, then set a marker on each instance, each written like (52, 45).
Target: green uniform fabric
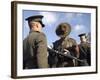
(60, 45)
(85, 53)
(35, 51)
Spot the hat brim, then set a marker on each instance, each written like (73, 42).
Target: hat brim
(41, 23)
(37, 18)
(60, 33)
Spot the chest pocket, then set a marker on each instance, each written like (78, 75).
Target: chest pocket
(67, 44)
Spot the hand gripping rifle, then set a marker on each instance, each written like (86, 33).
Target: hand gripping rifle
(65, 55)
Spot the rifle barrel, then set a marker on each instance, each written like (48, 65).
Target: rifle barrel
(66, 55)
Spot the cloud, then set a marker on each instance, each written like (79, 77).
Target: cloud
(26, 25)
(49, 17)
(79, 14)
(70, 16)
(79, 28)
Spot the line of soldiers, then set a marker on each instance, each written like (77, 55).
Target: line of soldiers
(35, 47)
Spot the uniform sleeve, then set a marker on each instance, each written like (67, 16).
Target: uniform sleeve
(75, 46)
(41, 43)
(74, 42)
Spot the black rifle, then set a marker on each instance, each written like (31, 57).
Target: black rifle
(66, 55)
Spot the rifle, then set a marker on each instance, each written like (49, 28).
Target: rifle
(65, 55)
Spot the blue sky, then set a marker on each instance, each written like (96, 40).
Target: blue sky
(80, 23)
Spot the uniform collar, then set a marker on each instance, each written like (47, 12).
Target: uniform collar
(33, 31)
(64, 38)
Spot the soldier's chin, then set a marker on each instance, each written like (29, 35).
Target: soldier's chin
(62, 36)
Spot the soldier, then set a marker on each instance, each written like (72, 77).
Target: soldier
(35, 45)
(84, 48)
(64, 45)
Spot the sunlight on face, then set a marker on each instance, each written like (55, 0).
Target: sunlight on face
(83, 39)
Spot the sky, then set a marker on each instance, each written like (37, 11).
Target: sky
(80, 23)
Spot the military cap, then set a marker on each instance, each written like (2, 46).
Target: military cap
(83, 34)
(63, 29)
(36, 18)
